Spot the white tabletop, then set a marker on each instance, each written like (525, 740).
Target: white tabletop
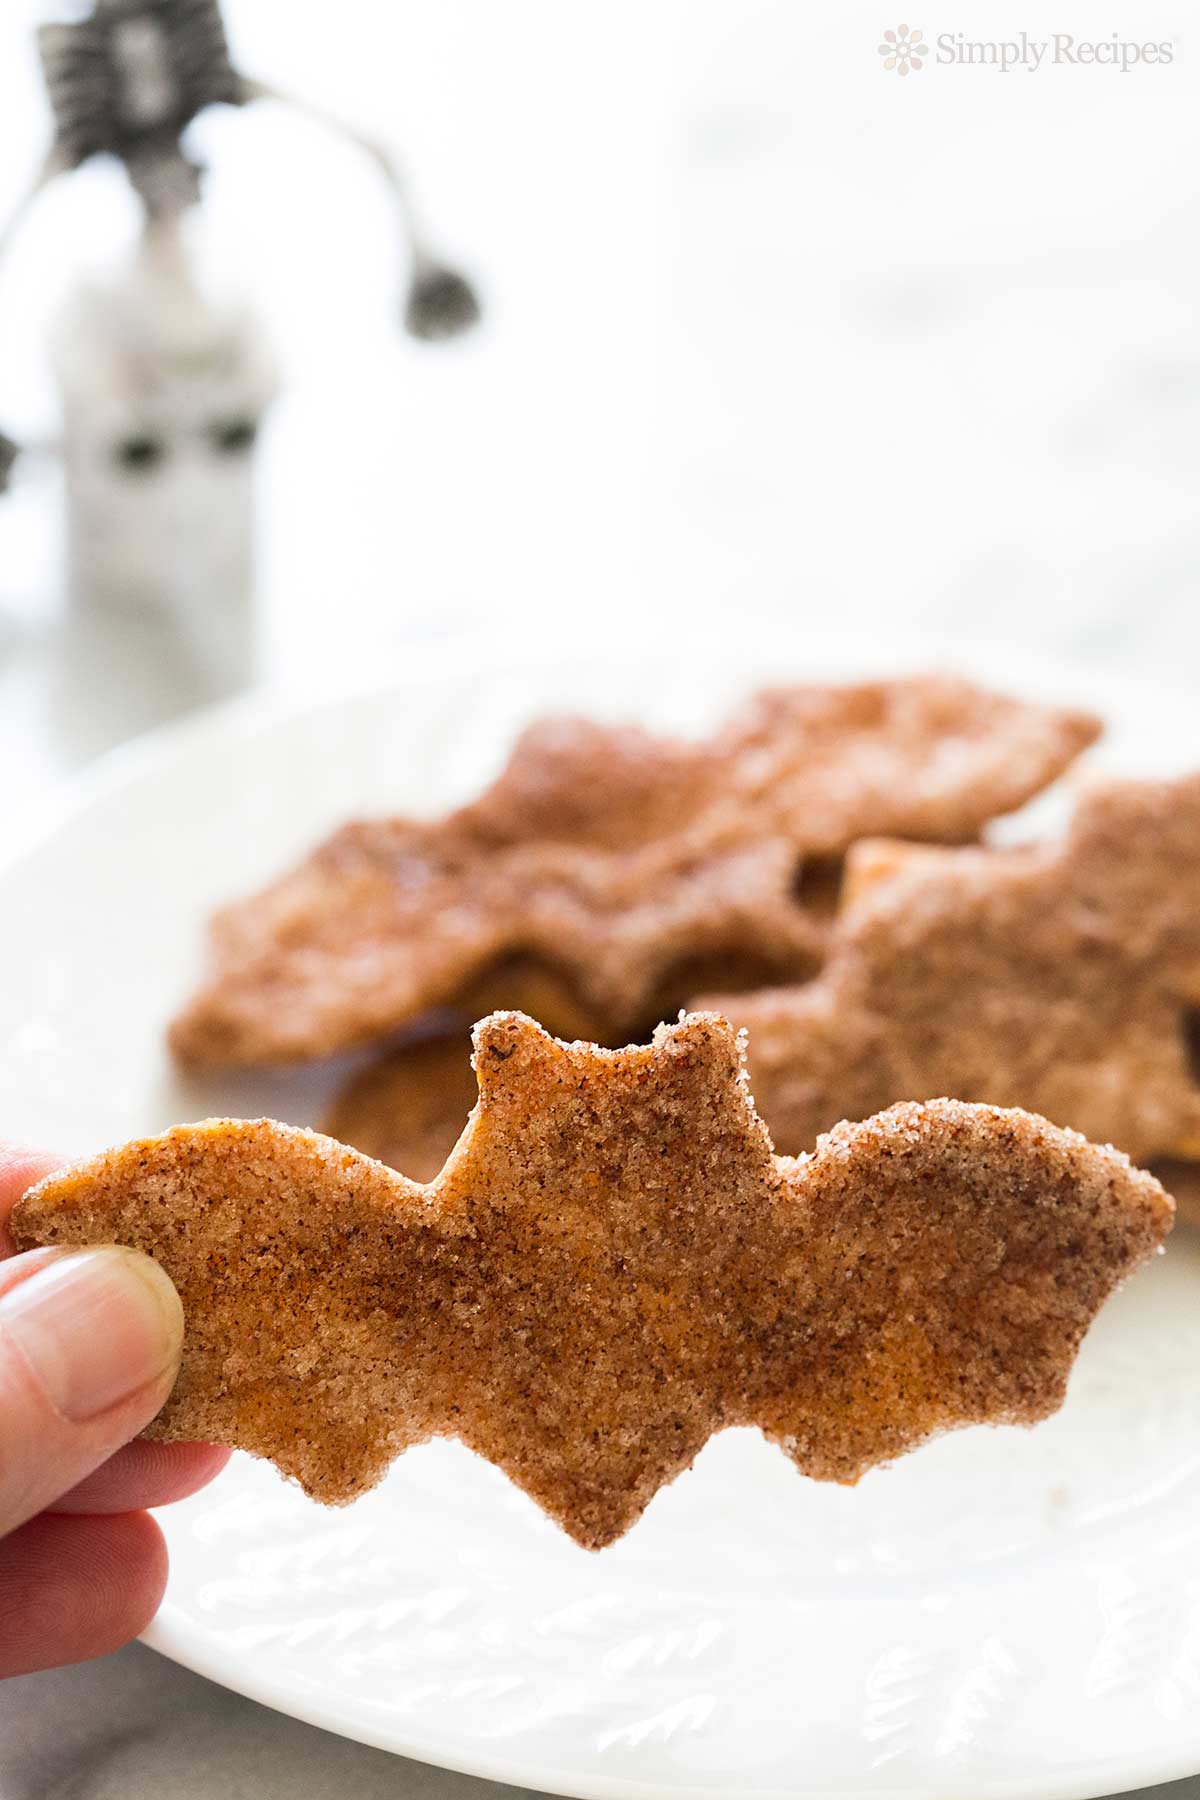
(772, 339)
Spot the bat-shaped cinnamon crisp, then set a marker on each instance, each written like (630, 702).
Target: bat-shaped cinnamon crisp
(612, 1266)
(1063, 977)
(623, 865)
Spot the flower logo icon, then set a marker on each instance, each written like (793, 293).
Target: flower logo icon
(903, 49)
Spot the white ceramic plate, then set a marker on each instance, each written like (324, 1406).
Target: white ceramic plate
(1002, 1614)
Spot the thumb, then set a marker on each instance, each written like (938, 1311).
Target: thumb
(89, 1350)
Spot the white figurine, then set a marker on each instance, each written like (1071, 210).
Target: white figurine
(162, 395)
(162, 392)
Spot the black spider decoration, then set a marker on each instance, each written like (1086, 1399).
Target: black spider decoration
(129, 79)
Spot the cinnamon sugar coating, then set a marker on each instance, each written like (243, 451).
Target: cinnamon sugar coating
(1062, 977)
(612, 1266)
(408, 1109)
(621, 863)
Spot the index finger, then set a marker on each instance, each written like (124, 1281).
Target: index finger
(20, 1167)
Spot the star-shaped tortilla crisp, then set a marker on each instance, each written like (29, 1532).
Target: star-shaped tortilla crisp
(612, 1266)
(633, 870)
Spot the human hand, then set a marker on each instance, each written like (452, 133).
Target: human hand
(89, 1350)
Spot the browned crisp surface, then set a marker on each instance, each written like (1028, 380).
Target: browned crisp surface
(620, 863)
(408, 1108)
(1063, 977)
(612, 1266)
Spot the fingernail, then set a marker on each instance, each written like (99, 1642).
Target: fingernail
(94, 1326)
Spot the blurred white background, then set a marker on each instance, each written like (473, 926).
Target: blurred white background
(773, 339)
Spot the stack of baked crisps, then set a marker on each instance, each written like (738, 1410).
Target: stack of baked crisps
(813, 871)
(608, 1260)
